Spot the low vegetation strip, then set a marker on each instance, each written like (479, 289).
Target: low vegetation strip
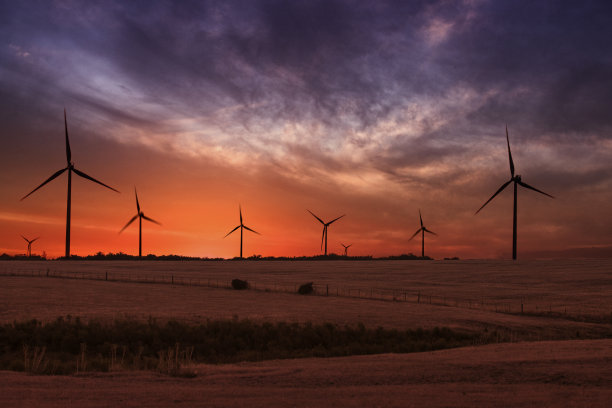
(70, 345)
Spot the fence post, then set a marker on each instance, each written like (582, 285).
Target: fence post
(419, 297)
(327, 290)
(173, 279)
(106, 276)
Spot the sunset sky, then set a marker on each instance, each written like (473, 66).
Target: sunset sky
(370, 109)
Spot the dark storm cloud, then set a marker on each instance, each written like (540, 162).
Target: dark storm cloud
(558, 51)
(346, 64)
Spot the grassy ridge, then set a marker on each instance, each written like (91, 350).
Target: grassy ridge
(68, 345)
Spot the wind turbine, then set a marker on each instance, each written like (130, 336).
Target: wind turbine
(325, 225)
(517, 181)
(242, 227)
(70, 167)
(346, 247)
(422, 230)
(140, 215)
(29, 241)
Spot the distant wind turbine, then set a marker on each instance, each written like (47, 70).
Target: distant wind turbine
(70, 167)
(242, 227)
(140, 215)
(517, 181)
(422, 230)
(325, 226)
(346, 247)
(29, 241)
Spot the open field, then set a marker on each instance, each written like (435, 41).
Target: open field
(544, 374)
(584, 286)
(574, 287)
(520, 373)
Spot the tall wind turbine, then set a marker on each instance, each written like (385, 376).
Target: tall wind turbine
(325, 226)
(346, 247)
(422, 230)
(29, 241)
(70, 167)
(140, 215)
(242, 227)
(516, 179)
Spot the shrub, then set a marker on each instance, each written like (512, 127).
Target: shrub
(306, 289)
(174, 347)
(239, 284)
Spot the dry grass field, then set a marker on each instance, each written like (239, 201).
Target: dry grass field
(575, 287)
(528, 372)
(544, 374)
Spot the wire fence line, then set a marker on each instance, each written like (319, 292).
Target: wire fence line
(515, 306)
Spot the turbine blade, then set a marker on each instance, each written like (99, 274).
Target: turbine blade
(80, 173)
(68, 153)
(534, 189)
(431, 232)
(232, 231)
(150, 219)
(34, 239)
(420, 218)
(336, 219)
(137, 203)
(57, 173)
(240, 211)
(320, 220)
(26, 240)
(128, 223)
(509, 153)
(247, 228)
(415, 234)
(493, 196)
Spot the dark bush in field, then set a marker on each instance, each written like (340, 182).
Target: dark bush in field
(306, 289)
(60, 346)
(239, 284)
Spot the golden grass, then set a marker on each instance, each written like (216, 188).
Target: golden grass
(580, 287)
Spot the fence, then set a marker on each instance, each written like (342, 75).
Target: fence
(518, 306)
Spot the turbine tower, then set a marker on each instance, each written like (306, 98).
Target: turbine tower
(346, 247)
(29, 241)
(325, 226)
(140, 215)
(242, 227)
(422, 230)
(516, 179)
(70, 167)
